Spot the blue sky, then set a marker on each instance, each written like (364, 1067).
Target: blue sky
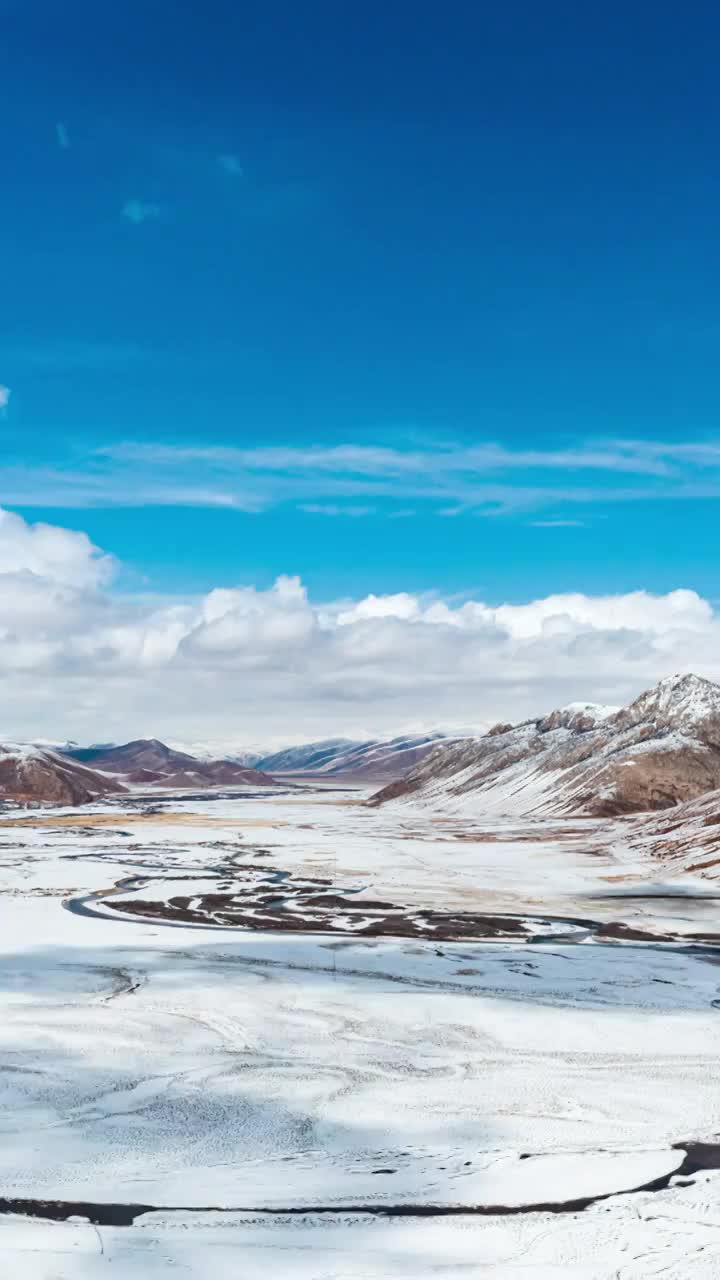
(392, 297)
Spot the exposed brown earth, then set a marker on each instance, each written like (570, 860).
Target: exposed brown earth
(294, 907)
(392, 922)
(137, 819)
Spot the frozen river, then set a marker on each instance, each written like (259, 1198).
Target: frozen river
(288, 1036)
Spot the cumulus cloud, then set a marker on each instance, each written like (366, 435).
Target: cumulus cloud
(80, 659)
(139, 211)
(50, 553)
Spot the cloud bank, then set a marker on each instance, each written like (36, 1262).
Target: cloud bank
(80, 659)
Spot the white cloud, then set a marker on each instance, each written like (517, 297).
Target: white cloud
(5, 394)
(401, 605)
(332, 509)
(82, 660)
(48, 552)
(139, 211)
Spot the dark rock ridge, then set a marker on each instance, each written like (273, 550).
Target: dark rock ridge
(661, 750)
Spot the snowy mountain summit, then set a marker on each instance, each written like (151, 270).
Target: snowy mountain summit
(686, 704)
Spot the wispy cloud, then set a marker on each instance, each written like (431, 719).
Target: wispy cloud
(645, 458)
(558, 524)
(139, 211)
(330, 509)
(26, 486)
(5, 394)
(482, 480)
(61, 133)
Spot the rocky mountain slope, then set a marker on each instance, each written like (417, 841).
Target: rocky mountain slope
(375, 759)
(660, 751)
(149, 762)
(31, 775)
(685, 840)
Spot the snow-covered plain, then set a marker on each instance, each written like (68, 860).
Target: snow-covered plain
(324, 1104)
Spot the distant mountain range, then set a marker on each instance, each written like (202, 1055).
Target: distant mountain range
(661, 750)
(73, 775)
(373, 759)
(149, 762)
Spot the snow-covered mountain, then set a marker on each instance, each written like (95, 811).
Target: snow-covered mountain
(150, 762)
(309, 756)
(661, 750)
(246, 756)
(32, 775)
(342, 757)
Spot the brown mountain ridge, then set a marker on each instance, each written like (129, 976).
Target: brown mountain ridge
(661, 750)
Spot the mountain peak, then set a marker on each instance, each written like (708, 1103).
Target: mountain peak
(685, 681)
(686, 690)
(680, 702)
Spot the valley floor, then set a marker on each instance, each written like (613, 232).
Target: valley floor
(288, 1036)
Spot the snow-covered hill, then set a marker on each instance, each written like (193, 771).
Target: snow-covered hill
(309, 756)
(374, 759)
(32, 775)
(661, 750)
